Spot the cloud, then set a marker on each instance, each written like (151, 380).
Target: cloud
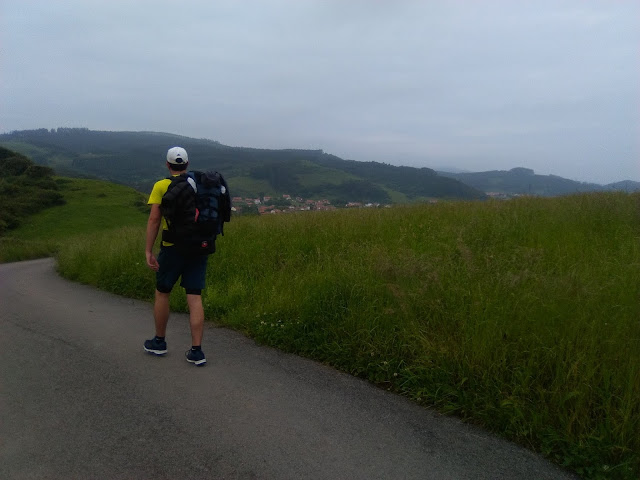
(543, 84)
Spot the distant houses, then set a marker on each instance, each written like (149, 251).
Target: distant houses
(503, 195)
(269, 205)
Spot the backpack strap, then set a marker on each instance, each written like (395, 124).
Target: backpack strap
(225, 204)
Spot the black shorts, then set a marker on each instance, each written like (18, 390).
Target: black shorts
(174, 264)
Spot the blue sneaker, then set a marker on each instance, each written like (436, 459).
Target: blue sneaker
(155, 346)
(196, 357)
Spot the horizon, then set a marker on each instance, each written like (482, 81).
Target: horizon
(464, 85)
(453, 170)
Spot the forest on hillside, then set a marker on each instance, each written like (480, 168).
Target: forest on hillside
(136, 159)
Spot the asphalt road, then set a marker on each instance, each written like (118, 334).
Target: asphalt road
(79, 398)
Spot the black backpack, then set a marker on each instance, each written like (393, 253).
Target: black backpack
(196, 206)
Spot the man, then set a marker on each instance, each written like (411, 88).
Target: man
(172, 263)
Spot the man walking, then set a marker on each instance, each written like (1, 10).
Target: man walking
(171, 264)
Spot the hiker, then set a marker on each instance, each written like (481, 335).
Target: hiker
(173, 262)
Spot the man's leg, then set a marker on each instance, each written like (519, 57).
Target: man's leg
(166, 276)
(158, 345)
(196, 318)
(193, 281)
(161, 313)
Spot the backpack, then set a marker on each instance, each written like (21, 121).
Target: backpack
(196, 205)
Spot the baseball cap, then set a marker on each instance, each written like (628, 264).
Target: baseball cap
(177, 156)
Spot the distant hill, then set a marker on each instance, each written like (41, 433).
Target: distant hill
(525, 181)
(136, 159)
(624, 186)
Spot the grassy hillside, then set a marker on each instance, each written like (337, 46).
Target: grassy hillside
(521, 316)
(90, 206)
(136, 159)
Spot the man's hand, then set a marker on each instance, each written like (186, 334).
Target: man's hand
(152, 263)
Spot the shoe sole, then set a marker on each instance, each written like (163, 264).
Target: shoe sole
(197, 363)
(155, 352)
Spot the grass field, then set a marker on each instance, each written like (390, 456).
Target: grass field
(521, 316)
(91, 206)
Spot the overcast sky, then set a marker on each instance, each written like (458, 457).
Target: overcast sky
(469, 84)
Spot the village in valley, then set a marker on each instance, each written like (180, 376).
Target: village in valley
(268, 205)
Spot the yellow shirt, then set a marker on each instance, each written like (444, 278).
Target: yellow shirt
(157, 192)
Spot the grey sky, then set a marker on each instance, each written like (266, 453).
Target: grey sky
(477, 85)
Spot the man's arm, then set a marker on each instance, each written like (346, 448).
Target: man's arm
(153, 226)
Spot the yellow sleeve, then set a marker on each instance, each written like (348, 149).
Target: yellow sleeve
(158, 191)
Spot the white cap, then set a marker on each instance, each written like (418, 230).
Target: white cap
(177, 156)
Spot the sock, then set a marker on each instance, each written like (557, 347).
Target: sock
(195, 348)
(160, 339)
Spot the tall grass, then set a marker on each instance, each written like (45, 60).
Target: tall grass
(522, 316)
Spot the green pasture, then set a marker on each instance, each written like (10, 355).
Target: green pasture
(92, 206)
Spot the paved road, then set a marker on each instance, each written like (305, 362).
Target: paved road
(80, 399)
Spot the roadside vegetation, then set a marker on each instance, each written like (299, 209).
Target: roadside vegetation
(521, 316)
(82, 206)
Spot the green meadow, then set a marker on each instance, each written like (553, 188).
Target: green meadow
(522, 316)
(92, 206)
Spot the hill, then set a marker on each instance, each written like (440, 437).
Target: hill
(40, 211)
(135, 159)
(624, 186)
(524, 181)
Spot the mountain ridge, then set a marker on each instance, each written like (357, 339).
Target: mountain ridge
(524, 181)
(136, 159)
